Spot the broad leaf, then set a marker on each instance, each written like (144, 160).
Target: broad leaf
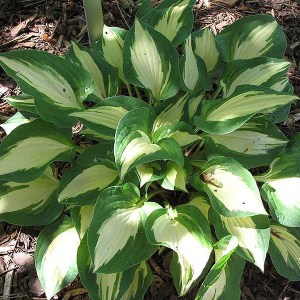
(173, 18)
(26, 152)
(221, 117)
(55, 83)
(205, 47)
(175, 177)
(281, 190)
(119, 213)
(105, 116)
(105, 76)
(261, 71)
(225, 180)
(91, 173)
(186, 232)
(253, 235)
(285, 251)
(82, 217)
(55, 255)
(151, 61)
(133, 145)
(31, 204)
(253, 36)
(217, 274)
(201, 202)
(192, 69)
(150, 172)
(22, 102)
(254, 144)
(13, 122)
(130, 284)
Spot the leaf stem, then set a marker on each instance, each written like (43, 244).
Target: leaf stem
(154, 193)
(129, 88)
(137, 92)
(217, 93)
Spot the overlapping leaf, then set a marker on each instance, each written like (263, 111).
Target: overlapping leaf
(186, 231)
(22, 102)
(225, 180)
(119, 213)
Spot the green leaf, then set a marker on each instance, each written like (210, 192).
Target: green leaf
(150, 172)
(227, 284)
(173, 18)
(193, 70)
(133, 145)
(55, 83)
(13, 122)
(253, 235)
(252, 36)
(111, 46)
(92, 172)
(31, 204)
(55, 255)
(201, 202)
(130, 284)
(281, 188)
(185, 231)
(221, 117)
(175, 177)
(26, 152)
(182, 133)
(225, 180)
(104, 75)
(194, 106)
(22, 102)
(293, 146)
(254, 144)
(259, 71)
(82, 217)
(119, 213)
(204, 45)
(151, 61)
(285, 251)
(215, 282)
(105, 116)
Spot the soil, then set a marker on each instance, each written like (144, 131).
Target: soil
(50, 25)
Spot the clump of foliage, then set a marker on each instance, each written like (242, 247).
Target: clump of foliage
(162, 167)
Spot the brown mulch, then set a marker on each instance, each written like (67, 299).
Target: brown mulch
(50, 25)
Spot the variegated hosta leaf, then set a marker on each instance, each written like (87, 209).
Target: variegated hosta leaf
(133, 145)
(193, 70)
(182, 133)
(201, 202)
(252, 36)
(105, 116)
(175, 177)
(205, 47)
(130, 284)
(116, 237)
(55, 83)
(285, 251)
(231, 188)
(26, 152)
(22, 102)
(151, 61)
(150, 172)
(32, 203)
(13, 122)
(170, 112)
(55, 255)
(262, 71)
(91, 173)
(82, 217)
(253, 234)
(221, 117)
(227, 284)
(111, 46)
(281, 190)
(104, 75)
(215, 282)
(194, 106)
(293, 146)
(254, 144)
(185, 231)
(173, 18)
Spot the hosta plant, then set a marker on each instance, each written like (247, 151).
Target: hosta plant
(155, 141)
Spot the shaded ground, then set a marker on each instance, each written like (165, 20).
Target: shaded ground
(50, 26)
